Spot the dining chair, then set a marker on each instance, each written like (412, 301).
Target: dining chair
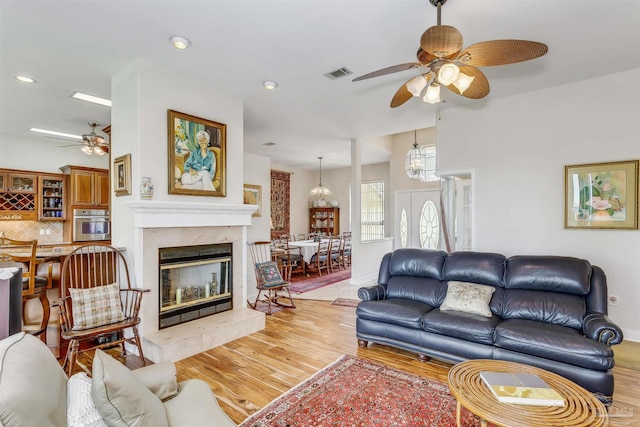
(345, 250)
(23, 252)
(321, 260)
(290, 258)
(97, 303)
(268, 279)
(335, 247)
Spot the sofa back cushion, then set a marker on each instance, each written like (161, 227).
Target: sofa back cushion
(549, 273)
(550, 307)
(417, 263)
(428, 291)
(33, 386)
(483, 268)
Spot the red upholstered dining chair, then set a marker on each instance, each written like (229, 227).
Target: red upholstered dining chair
(23, 253)
(97, 302)
(272, 288)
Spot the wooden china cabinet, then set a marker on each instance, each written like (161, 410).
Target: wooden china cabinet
(324, 220)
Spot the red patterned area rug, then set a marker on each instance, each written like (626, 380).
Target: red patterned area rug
(357, 393)
(300, 284)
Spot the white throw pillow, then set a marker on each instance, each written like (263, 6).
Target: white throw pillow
(468, 297)
(121, 398)
(95, 307)
(81, 412)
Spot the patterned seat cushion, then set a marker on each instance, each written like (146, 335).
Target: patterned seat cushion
(95, 307)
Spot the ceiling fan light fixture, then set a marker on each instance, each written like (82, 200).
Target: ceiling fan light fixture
(448, 73)
(87, 150)
(99, 151)
(416, 85)
(180, 43)
(433, 94)
(463, 82)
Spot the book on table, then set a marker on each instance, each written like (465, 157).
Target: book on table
(519, 388)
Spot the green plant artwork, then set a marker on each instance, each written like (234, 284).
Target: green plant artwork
(602, 195)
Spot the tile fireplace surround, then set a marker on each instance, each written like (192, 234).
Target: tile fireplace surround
(167, 224)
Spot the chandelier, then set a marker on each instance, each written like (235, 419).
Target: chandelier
(320, 191)
(420, 162)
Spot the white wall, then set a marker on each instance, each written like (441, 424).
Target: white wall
(518, 147)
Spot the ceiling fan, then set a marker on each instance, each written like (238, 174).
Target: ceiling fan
(92, 143)
(447, 64)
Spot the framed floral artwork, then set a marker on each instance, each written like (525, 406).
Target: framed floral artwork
(253, 196)
(122, 175)
(601, 195)
(197, 155)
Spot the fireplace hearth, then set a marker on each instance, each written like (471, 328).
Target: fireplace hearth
(195, 282)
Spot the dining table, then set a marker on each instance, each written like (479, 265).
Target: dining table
(308, 248)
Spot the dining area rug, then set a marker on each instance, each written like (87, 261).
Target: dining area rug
(300, 284)
(358, 392)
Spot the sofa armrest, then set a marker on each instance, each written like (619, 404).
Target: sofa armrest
(599, 327)
(372, 293)
(160, 378)
(196, 405)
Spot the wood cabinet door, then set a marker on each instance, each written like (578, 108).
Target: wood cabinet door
(82, 186)
(102, 189)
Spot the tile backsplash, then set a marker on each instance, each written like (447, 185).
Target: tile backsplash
(29, 230)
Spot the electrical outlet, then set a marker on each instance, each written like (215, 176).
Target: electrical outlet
(42, 231)
(613, 300)
(47, 231)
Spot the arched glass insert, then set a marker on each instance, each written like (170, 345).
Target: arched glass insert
(429, 226)
(403, 228)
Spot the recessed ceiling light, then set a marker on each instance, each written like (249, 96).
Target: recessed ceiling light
(25, 79)
(56, 133)
(180, 42)
(270, 85)
(90, 98)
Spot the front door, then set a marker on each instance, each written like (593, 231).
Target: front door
(418, 220)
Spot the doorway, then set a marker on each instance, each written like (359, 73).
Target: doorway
(418, 219)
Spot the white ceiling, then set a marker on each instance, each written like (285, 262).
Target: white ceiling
(237, 44)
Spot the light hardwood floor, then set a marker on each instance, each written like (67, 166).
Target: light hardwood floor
(248, 373)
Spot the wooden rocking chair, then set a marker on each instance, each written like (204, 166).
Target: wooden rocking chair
(268, 278)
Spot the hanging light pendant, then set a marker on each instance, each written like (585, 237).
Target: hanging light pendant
(415, 162)
(320, 191)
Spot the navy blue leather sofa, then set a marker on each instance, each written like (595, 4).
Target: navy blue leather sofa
(546, 311)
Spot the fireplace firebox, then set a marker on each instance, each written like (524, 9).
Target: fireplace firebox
(195, 282)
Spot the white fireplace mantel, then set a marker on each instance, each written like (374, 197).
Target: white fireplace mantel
(170, 214)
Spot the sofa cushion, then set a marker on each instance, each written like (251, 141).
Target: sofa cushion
(468, 297)
(457, 324)
(549, 307)
(30, 373)
(417, 263)
(428, 291)
(95, 307)
(81, 411)
(160, 378)
(553, 342)
(402, 312)
(484, 268)
(121, 398)
(548, 273)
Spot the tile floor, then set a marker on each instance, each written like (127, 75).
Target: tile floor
(330, 292)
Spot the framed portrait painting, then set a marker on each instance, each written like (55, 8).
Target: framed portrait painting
(253, 196)
(122, 175)
(197, 155)
(601, 195)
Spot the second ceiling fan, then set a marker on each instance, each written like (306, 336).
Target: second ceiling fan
(447, 64)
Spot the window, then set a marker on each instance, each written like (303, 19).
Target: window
(372, 210)
(404, 226)
(429, 226)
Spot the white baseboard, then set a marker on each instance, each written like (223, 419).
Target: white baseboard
(631, 335)
(370, 279)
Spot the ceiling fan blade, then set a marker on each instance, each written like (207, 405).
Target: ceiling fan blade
(403, 94)
(501, 52)
(68, 145)
(441, 40)
(479, 88)
(389, 70)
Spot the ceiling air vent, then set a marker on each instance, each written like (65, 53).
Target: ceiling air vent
(269, 144)
(336, 74)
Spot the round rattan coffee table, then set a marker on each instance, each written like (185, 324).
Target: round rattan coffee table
(581, 407)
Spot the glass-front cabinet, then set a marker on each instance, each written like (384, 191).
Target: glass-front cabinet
(18, 196)
(52, 191)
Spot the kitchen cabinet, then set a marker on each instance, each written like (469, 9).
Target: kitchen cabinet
(324, 220)
(52, 190)
(89, 187)
(18, 199)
